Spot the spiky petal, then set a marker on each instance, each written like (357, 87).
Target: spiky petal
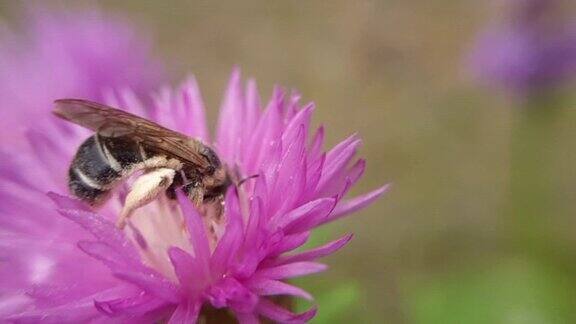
(172, 260)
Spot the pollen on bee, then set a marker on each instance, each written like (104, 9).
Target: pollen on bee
(144, 190)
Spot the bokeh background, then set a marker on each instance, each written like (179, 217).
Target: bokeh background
(480, 224)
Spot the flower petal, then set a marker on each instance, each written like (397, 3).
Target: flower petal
(101, 229)
(196, 229)
(194, 104)
(291, 270)
(186, 312)
(336, 161)
(151, 283)
(80, 310)
(290, 173)
(316, 144)
(340, 186)
(230, 241)
(268, 287)
(231, 116)
(311, 220)
(289, 243)
(315, 253)
(132, 305)
(109, 256)
(311, 209)
(49, 153)
(188, 271)
(349, 206)
(251, 116)
(64, 202)
(281, 315)
(301, 120)
(266, 134)
(255, 223)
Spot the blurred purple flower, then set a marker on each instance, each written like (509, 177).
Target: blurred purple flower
(533, 49)
(173, 262)
(68, 54)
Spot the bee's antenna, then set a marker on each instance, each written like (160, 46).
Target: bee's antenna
(246, 179)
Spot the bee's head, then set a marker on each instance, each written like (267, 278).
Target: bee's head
(217, 184)
(213, 161)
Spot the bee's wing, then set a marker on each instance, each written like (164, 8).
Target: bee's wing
(112, 122)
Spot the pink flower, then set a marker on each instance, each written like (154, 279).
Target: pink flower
(79, 53)
(173, 262)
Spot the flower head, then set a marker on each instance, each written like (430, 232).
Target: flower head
(173, 261)
(533, 48)
(80, 53)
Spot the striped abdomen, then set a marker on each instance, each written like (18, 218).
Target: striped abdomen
(98, 165)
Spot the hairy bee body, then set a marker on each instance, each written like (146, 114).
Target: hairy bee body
(100, 163)
(124, 143)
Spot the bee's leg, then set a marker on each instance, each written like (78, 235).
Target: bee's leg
(196, 195)
(144, 190)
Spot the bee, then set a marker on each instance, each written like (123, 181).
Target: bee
(123, 144)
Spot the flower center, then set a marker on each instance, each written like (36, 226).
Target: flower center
(154, 229)
(160, 225)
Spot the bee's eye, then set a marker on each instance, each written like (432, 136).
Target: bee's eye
(210, 170)
(212, 159)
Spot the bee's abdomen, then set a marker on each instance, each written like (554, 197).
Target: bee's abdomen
(85, 190)
(125, 151)
(98, 164)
